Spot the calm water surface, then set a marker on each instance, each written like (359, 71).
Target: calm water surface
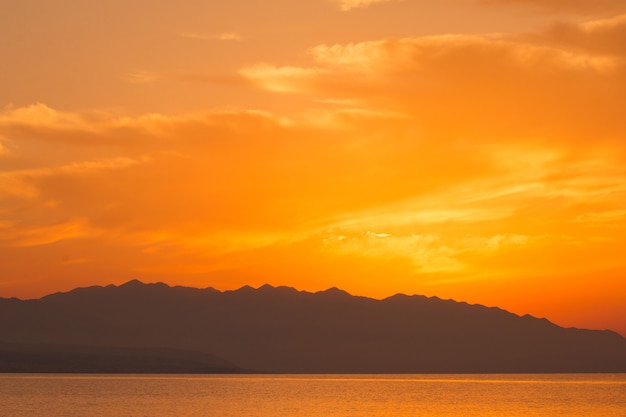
(312, 395)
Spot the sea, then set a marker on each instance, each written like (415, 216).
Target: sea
(527, 395)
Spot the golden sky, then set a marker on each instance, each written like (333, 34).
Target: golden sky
(468, 149)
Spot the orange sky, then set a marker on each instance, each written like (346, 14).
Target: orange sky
(469, 149)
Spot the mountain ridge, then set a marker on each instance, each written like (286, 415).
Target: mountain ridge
(265, 287)
(282, 329)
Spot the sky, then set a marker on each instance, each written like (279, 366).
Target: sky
(472, 150)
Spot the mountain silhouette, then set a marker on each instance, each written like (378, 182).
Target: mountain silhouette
(281, 329)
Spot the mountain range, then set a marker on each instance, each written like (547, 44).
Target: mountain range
(137, 327)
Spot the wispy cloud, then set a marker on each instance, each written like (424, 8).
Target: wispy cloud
(142, 77)
(346, 5)
(426, 252)
(282, 79)
(429, 253)
(601, 217)
(40, 115)
(601, 37)
(48, 234)
(224, 36)
(544, 83)
(578, 6)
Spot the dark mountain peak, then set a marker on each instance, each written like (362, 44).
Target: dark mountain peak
(132, 283)
(398, 296)
(530, 317)
(182, 289)
(334, 292)
(130, 288)
(78, 292)
(265, 290)
(404, 297)
(246, 289)
(135, 283)
(280, 290)
(137, 287)
(285, 288)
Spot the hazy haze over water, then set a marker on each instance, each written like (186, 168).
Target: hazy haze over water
(312, 395)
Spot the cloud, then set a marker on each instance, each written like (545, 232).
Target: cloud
(282, 79)
(192, 178)
(601, 217)
(421, 54)
(427, 253)
(41, 116)
(578, 6)
(151, 77)
(497, 242)
(347, 5)
(604, 37)
(224, 36)
(180, 178)
(467, 84)
(142, 77)
(13, 186)
(405, 214)
(44, 235)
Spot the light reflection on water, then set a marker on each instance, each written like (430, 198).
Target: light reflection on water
(312, 395)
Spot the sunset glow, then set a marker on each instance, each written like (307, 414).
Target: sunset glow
(465, 149)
